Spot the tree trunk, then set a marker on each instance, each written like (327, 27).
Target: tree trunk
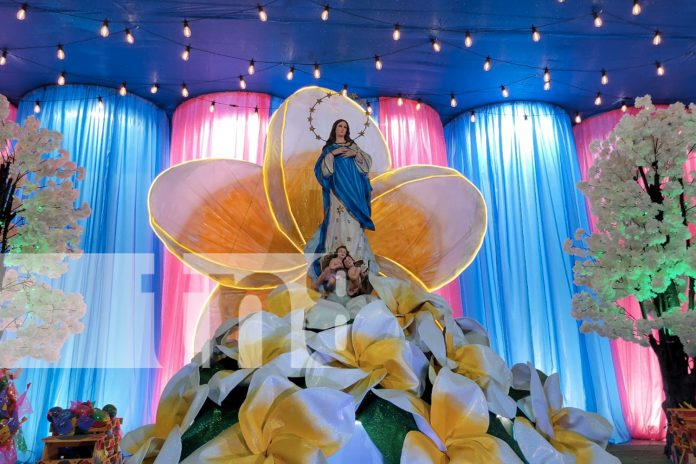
(678, 380)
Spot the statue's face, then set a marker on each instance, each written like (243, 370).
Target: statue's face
(341, 129)
(348, 262)
(341, 253)
(335, 263)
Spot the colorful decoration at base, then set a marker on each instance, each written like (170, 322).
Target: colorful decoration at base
(682, 427)
(267, 388)
(13, 408)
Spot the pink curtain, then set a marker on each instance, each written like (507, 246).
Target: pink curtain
(416, 136)
(234, 130)
(13, 113)
(637, 371)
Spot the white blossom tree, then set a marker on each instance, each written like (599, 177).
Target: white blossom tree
(39, 233)
(643, 196)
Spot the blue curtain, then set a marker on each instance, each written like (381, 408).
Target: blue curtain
(522, 157)
(122, 146)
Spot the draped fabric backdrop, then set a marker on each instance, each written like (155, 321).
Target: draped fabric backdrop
(234, 130)
(522, 158)
(13, 113)
(637, 370)
(417, 137)
(122, 147)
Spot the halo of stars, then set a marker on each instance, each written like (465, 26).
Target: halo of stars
(313, 109)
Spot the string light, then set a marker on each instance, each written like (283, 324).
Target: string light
(325, 13)
(123, 91)
(290, 74)
(344, 92)
(436, 45)
(129, 37)
(578, 119)
(187, 29)
(37, 107)
(61, 78)
(504, 91)
(154, 88)
(660, 69)
(3, 57)
(604, 79)
(252, 69)
(472, 118)
(242, 83)
(547, 75)
(535, 34)
(400, 101)
(396, 35)
(453, 101)
(369, 108)
(598, 99)
(262, 14)
(378, 63)
(487, 64)
(623, 107)
(186, 54)
(636, 8)
(60, 53)
(418, 105)
(468, 41)
(657, 38)
(184, 90)
(104, 30)
(100, 103)
(317, 73)
(547, 85)
(256, 110)
(211, 108)
(597, 20)
(22, 12)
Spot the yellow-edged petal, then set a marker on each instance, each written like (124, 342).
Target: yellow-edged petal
(421, 449)
(228, 446)
(291, 450)
(292, 150)
(405, 301)
(437, 237)
(584, 450)
(484, 449)
(374, 322)
(291, 297)
(213, 215)
(389, 354)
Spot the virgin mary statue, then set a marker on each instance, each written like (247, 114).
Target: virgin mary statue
(342, 170)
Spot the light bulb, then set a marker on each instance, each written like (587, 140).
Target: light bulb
(636, 8)
(418, 105)
(344, 92)
(369, 108)
(597, 20)
(453, 101)
(396, 35)
(100, 103)
(468, 41)
(252, 69)
(154, 88)
(129, 37)
(211, 108)
(504, 91)
(598, 99)
(535, 34)
(242, 83)
(22, 12)
(262, 14)
(400, 101)
(436, 45)
(186, 54)
(657, 38)
(624, 107)
(290, 74)
(547, 75)
(604, 79)
(472, 118)
(184, 90)
(61, 78)
(660, 69)
(3, 57)
(487, 64)
(378, 63)
(547, 85)
(578, 119)
(37, 107)
(104, 30)
(123, 91)
(187, 29)
(317, 73)
(60, 53)
(325, 13)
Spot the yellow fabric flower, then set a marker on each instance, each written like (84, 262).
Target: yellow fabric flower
(453, 429)
(281, 423)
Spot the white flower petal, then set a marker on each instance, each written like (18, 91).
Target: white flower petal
(223, 382)
(534, 447)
